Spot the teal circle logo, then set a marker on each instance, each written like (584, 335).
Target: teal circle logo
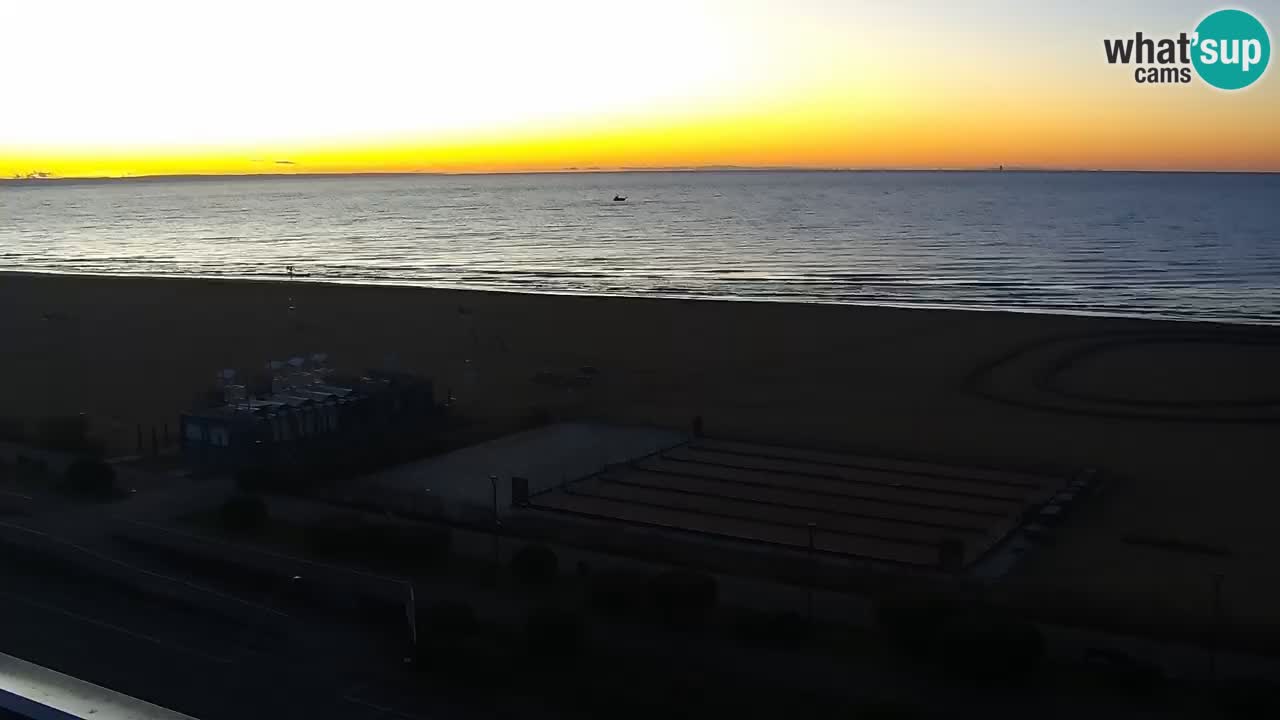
(1232, 49)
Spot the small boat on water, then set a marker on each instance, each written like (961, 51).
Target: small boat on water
(619, 198)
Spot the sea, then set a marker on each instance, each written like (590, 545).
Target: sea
(1169, 245)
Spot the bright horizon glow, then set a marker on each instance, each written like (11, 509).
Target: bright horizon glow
(140, 87)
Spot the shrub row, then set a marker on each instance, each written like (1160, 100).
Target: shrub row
(91, 478)
(983, 646)
(535, 564)
(244, 513)
(396, 547)
(776, 631)
(680, 598)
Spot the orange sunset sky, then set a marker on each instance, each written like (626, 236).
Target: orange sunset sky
(137, 88)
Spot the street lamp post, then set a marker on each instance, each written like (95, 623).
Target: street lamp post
(497, 526)
(493, 480)
(812, 573)
(1217, 628)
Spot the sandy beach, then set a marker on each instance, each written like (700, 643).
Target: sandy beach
(1183, 416)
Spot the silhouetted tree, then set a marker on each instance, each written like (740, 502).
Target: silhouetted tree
(414, 547)
(12, 430)
(535, 564)
(256, 478)
(913, 622)
(684, 598)
(555, 632)
(1122, 672)
(244, 513)
(400, 547)
(615, 591)
(991, 649)
(1249, 698)
(886, 710)
(92, 478)
(441, 626)
(774, 630)
(537, 417)
(329, 536)
(67, 434)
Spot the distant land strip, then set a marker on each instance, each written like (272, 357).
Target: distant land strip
(38, 178)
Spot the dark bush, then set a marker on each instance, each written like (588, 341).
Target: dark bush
(555, 632)
(991, 649)
(1018, 644)
(404, 547)
(350, 537)
(442, 625)
(380, 611)
(913, 623)
(447, 617)
(378, 543)
(537, 417)
(482, 663)
(244, 513)
(888, 710)
(616, 591)
(535, 564)
(1123, 672)
(12, 430)
(255, 479)
(774, 630)
(66, 434)
(400, 547)
(684, 598)
(429, 544)
(91, 478)
(322, 538)
(1249, 698)
(329, 537)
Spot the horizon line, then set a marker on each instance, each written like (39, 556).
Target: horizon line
(38, 177)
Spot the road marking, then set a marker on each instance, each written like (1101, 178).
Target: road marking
(382, 708)
(104, 624)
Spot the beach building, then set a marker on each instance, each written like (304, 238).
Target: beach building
(296, 408)
(471, 484)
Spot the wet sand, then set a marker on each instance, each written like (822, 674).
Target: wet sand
(1183, 416)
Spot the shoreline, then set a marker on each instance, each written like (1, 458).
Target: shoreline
(927, 307)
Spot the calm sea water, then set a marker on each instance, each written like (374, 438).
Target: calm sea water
(1168, 245)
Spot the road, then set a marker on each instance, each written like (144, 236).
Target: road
(197, 665)
(214, 668)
